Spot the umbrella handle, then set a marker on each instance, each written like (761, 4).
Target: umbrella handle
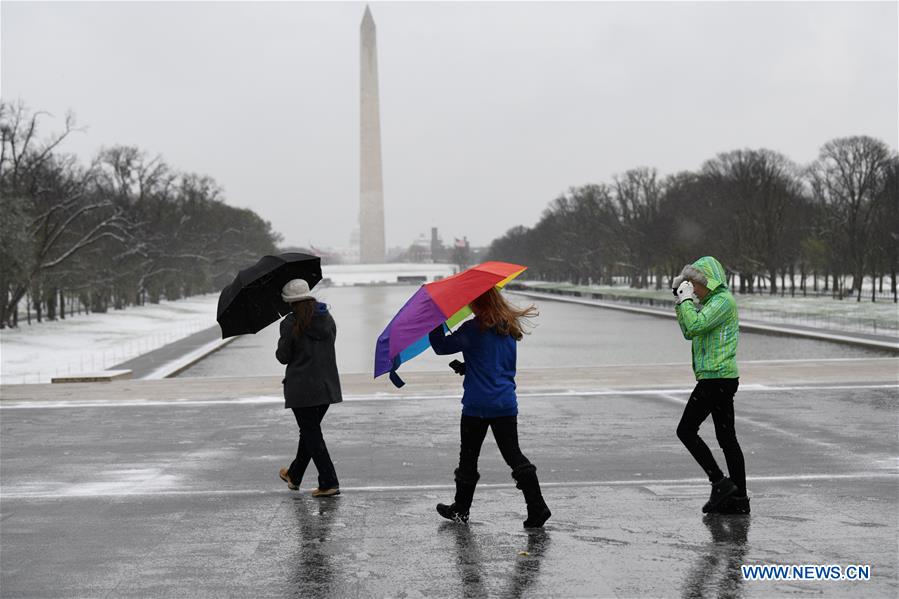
(394, 377)
(396, 380)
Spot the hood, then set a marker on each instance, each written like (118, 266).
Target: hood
(713, 271)
(319, 328)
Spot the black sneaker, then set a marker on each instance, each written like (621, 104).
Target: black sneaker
(450, 513)
(734, 505)
(721, 490)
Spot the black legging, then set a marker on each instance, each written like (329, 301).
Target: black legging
(312, 447)
(715, 397)
(473, 431)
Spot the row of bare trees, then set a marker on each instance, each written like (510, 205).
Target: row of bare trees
(123, 230)
(766, 218)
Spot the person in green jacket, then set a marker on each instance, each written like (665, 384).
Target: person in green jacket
(707, 315)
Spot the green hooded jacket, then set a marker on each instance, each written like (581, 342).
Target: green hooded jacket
(713, 327)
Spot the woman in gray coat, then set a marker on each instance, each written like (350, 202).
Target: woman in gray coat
(311, 382)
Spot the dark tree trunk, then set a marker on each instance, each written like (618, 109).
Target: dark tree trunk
(38, 306)
(802, 277)
(792, 280)
(51, 304)
(893, 284)
(98, 305)
(4, 306)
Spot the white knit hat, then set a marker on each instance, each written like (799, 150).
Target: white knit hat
(296, 290)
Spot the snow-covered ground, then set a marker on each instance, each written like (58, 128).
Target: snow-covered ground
(880, 317)
(84, 343)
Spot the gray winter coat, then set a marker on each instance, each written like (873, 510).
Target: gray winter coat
(311, 377)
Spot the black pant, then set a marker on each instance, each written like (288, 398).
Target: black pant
(715, 397)
(505, 431)
(312, 447)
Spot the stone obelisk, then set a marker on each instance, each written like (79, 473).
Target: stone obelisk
(371, 196)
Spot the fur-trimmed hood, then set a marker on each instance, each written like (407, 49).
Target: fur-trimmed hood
(707, 271)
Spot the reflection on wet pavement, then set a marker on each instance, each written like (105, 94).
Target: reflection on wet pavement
(314, 573)
(716, 570)
(471, 565)
(527, 567)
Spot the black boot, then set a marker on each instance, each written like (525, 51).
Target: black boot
(733, 505)
(526, 480)
(721, 490)
(458, 510)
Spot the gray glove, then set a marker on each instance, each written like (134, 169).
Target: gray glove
(684, 292)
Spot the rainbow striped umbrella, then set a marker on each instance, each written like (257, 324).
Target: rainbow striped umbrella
(445, 301)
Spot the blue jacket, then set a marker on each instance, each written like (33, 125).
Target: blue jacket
(489, 382)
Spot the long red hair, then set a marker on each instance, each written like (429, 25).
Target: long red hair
(494, 312)
(303, 310)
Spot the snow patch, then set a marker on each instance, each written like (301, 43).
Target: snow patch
(85, 343)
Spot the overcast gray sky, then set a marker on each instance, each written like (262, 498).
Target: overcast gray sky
(488, 111)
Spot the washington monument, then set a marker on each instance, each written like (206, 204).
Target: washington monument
(371, 189)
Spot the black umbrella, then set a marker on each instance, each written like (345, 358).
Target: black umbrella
(253, 300)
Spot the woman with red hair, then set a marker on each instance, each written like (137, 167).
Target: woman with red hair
(488, 344)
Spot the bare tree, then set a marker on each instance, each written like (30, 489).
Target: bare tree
(124, 228)
(886, 229)
(849, 177)
(638, 193)
(761, 191)
(62, 216)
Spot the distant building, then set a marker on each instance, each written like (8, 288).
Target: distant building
(419, 250)
(438, 252)
(424, 249)
(328, 255)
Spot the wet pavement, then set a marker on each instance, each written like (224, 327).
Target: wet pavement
(150, 362)
(181, 498)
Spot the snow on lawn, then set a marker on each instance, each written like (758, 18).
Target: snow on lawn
(880, 317)
(90, 342)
